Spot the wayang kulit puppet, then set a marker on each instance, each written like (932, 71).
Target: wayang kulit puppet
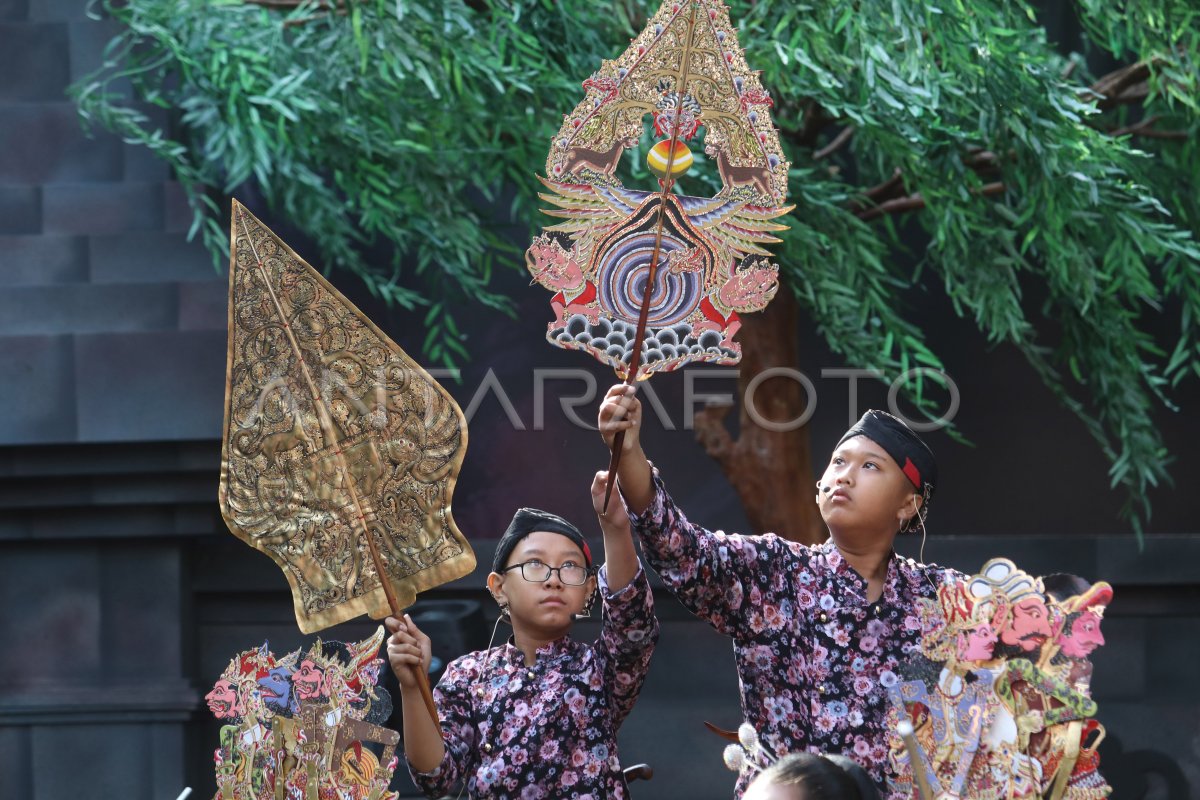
(340, 452)
(997, 704)
(300, 725)
(648, 280)
(339, 461)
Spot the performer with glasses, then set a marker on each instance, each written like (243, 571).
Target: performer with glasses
(538, 716)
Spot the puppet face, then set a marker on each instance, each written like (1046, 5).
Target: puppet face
(276, 688)
(1029, 626)
(223, 700)
(867, 489)
(752, 287)
(547, 608)
(978, 643)
(552, 266)
(310, 681)
(1083, 636)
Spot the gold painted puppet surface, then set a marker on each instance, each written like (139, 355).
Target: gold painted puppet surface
(336, 443)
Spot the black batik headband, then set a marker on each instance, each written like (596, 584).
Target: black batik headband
(528, 520)
(912, 455)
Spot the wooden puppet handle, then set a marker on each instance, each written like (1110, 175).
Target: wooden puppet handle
(668, 180)
(614, 461)
(729, 736)
(398, 613)
(427, 696)
(908, 736)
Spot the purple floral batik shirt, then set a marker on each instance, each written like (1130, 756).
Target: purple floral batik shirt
(547, 730)
(814, 658)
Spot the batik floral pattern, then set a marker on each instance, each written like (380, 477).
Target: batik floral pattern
(548, 730)
(814, 658)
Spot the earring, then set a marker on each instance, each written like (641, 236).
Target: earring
(919, 514)
(587, 607)
(504, 615)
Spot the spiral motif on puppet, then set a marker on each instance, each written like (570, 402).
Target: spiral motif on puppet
(621, 280)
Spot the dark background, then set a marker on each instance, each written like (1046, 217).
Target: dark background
(123, 596)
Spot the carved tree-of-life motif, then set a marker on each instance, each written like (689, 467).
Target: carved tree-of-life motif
(333, 435)
(686, 72)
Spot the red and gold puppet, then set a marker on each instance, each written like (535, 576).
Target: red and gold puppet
(650, 280)
(998, 703)
(299, 725)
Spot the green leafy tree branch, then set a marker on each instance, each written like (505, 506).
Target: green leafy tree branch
(403, 127)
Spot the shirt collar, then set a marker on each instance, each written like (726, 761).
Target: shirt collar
(550, 653)
(856, 584)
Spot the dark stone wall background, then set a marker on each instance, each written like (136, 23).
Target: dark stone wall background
(124, 597)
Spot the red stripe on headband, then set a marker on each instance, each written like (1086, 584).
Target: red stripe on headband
(587, 553)
(914, 474)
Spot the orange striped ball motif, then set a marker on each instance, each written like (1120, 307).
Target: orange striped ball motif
(660, 154)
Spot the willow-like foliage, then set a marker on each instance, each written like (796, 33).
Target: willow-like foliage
(405, 123)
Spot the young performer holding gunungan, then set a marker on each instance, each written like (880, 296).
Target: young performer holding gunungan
(542, 711)
(818, 631)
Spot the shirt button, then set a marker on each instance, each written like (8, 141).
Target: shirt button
(530, 675)
(479, 692)
(824, 617)
(821, 689)
(487, 748)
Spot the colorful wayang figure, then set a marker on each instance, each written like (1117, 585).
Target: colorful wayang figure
(990, 719)
(681, 268)
(302, 725)
(953, 701)
(1068, 752)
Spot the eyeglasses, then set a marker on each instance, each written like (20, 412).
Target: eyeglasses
(570, 574)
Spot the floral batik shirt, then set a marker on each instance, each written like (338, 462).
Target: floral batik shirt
(814, 658)
(547, 730)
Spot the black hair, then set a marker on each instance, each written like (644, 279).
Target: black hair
(334, 650)
(1059, 587)
(867, 790)
(820, 778)
(1062, 585)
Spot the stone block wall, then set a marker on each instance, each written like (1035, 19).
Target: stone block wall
(105, 309)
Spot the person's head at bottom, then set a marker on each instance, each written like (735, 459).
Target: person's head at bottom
(802, 776)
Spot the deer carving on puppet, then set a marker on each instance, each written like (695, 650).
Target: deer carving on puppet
(602, 161)
(732, 176)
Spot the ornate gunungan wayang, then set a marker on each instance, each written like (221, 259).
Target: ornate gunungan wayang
(998, 703)
(340, 452)
(306, 724)
(629, 263)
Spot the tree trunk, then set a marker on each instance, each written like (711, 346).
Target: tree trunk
(770, 470)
